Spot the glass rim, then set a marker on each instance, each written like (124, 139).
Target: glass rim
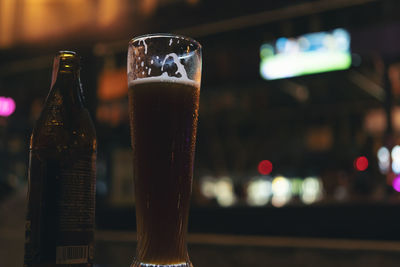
(165, 35)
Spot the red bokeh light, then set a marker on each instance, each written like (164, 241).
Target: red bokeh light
(361, 163)
(265, 167)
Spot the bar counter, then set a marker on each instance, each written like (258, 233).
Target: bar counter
(116, 249)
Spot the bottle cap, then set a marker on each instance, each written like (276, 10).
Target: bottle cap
(65, 62)
(68, 60)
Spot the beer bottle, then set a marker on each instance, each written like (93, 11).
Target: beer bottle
(61, 176)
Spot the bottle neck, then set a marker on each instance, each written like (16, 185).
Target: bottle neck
(65, 82)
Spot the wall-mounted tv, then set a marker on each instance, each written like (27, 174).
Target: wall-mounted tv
(307, 54)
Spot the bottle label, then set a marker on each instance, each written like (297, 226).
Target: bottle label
(60, 217)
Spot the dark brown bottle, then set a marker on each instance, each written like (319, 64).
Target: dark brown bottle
(62, 175)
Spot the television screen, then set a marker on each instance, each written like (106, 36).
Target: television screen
(307, 54)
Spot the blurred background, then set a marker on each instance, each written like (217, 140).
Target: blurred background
(299, 123)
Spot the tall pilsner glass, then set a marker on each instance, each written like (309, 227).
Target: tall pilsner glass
(164, 73)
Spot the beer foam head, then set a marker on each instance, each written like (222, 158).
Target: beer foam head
(164, 58)
(165, 78)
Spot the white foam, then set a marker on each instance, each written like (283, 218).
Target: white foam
(165, 78)
(181, 68)
(145, 46)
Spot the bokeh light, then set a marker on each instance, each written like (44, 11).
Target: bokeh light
(396, 166)
(259, 191)
(280, 201)
(281, 186)
(396, 153)
(207, 186)
(383, 155)
(265, 167)
(281, 189)
(361, 163)
(296, 185)
(224, 192)
(311, 190)
(220, 189)
(396, 183)
(396, 159)
(7, 106)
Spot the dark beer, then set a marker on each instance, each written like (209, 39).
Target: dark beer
(163, 117)
(62, 163)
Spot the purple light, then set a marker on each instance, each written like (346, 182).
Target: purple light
(7, 106)
(396, 183)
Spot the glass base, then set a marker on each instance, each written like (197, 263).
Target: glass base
(142, 264)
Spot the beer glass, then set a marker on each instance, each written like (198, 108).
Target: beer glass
(164, 73)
